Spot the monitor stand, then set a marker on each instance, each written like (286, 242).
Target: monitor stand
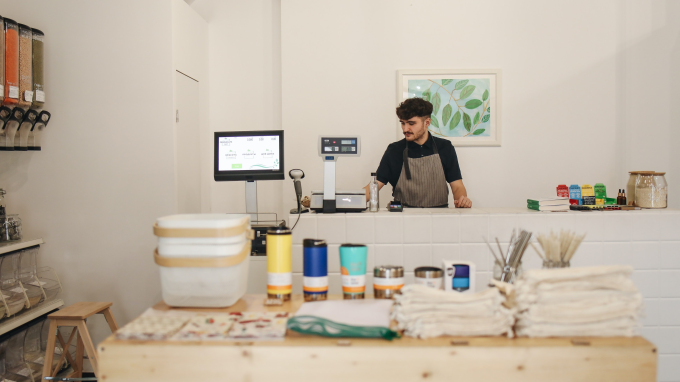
(251, 199)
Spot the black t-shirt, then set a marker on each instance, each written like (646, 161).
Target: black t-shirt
(393, 159)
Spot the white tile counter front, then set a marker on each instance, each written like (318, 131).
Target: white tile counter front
(649, 240)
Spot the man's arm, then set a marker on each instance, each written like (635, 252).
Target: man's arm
(380, 186)
(460, 199)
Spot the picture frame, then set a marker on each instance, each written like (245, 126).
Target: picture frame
(472, 119)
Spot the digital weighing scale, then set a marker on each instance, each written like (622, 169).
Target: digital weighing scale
(329, 200)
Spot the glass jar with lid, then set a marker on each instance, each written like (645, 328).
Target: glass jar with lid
(644, 189)
(630, 187)
(661, 187)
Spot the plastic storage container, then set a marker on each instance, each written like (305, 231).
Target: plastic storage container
(16, 368)
(29, 278)
(38, 70)
(25, 66)
(11, 63)
(203, 258)
(13, 295)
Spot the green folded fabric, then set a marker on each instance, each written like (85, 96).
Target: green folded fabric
(327, 328)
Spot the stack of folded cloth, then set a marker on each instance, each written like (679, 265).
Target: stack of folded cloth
(590, 301)
(425, 313)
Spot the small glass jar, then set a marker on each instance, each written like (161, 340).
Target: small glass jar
(513, 273)
(10, 229)
(661, 187)
(549, 264)
(646, 194)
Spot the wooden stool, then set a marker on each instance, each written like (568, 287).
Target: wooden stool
(75, 316)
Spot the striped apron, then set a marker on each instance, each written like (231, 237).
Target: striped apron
(422, 182)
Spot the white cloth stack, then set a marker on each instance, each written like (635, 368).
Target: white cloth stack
(425, 313)
(590, 301)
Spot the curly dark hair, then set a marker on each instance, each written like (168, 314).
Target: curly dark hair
(414, 107)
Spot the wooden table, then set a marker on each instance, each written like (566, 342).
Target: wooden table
(310, 358)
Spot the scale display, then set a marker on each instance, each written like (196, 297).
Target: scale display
(248, 153)
(339, 146)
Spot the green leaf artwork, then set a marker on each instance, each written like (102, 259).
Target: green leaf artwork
(455, 102)
(436, 102)
(467, 91)
(446, 114)
(461, 84)
(473, 104)
(435, 121)
(426, 95)
(455, 120)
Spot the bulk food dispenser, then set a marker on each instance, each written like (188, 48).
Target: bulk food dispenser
(13, 296)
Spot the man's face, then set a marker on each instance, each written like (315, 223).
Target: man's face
(414, 128)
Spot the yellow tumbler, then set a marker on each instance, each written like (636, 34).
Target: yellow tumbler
(279, 263)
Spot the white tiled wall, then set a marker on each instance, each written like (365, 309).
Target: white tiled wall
(647, 240)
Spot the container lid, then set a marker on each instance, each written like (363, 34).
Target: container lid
(279, 231)
(659, 173)
(202, 220)
(314, 243)
(38, 31)
(389, 271)
(353, 245)
(374, 174)
(645, 172)
(24, 26)
(429, 272)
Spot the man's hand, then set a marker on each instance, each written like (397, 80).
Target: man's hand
(463, 202)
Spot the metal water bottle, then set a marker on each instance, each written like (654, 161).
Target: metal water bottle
(279, 263)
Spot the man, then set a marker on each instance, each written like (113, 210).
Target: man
(419, 166)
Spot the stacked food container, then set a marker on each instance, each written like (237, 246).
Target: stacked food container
(203, 258)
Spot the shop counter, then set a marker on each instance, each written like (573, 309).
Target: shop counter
(312, 358)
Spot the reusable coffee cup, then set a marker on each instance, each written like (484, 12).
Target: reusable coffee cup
(315, 269)
(353, 270)
(279, 263)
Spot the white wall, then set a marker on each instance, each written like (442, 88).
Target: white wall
(190, 57)
(245, 89)
(580, 80)
(106, 170)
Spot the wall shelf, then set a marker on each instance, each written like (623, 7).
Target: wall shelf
(11, 246)
(29, 315)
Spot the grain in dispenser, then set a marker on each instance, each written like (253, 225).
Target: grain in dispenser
(38, 69)
(11, 63)
(25, 66)
(203, 258)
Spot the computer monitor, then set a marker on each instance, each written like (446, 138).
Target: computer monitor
(249, 155)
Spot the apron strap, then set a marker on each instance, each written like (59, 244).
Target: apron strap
(407, 168)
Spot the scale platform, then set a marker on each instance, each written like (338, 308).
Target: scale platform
(345, 201)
